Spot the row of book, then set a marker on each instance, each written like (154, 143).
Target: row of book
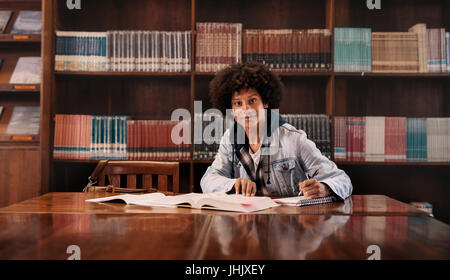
(217, 45)
(421, 49)
(289, 49)
(90, 137)
(356, 138)
(124, 51)
(391, 139)
(317, 128)
(27, 22)
(116, 138)
(154, 140)
(352, 49)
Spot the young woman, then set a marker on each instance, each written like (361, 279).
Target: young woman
(257, 165)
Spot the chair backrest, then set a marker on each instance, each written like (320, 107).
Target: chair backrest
(162, 176)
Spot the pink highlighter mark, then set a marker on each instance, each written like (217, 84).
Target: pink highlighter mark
(247, 203)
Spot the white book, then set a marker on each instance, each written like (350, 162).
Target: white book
(213, 201)
(375, 136)
(422, 39)
(27, 71)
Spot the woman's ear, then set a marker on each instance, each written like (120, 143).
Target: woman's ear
(266, 106)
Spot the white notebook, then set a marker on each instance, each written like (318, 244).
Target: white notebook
(214, 201)
(303, 201)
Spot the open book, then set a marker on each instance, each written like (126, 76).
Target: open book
(214, 201)
(303, 201)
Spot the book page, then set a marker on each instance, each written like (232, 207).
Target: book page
(237, 202)
(191, 198)
(135, 199)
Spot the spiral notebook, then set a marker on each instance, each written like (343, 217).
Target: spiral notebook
(303, 201)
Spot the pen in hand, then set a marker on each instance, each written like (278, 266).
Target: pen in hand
(308, 178)
(314, 174)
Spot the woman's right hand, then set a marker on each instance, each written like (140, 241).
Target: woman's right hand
(245, 186)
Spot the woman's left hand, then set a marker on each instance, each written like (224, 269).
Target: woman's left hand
(312, 188)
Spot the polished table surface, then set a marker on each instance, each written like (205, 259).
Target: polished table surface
(75, 203)
(43, 228)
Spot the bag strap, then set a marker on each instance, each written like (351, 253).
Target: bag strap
(93, 179)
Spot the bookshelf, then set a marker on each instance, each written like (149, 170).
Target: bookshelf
(154, 95)
(21, 174)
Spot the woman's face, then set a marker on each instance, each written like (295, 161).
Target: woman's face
(248, 108)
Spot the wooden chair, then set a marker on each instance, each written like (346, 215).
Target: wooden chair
(150, 175)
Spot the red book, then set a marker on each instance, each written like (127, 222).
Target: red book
(350, 128)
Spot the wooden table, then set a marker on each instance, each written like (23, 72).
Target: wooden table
(63, 202)
(43, 228)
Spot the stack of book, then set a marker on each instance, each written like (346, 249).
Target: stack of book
(217, 45)
(289, 49)
(155, 140)
(352, 49)
(116, 138)
(317, 128)
(391, 139)
(124, 51)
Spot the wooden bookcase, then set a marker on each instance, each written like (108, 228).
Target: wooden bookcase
(20, 173)
(156, 95)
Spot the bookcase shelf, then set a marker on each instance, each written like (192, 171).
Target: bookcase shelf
(371, 74)
(97, 160)
(122, 74)
(154, 95)
(21, 154)
(292, 73)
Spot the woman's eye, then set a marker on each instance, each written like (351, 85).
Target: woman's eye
(253, 100)
(237, 103)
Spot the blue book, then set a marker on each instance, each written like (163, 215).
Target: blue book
(423, 139)
(447, 48)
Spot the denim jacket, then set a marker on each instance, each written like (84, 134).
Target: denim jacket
(296, 155)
